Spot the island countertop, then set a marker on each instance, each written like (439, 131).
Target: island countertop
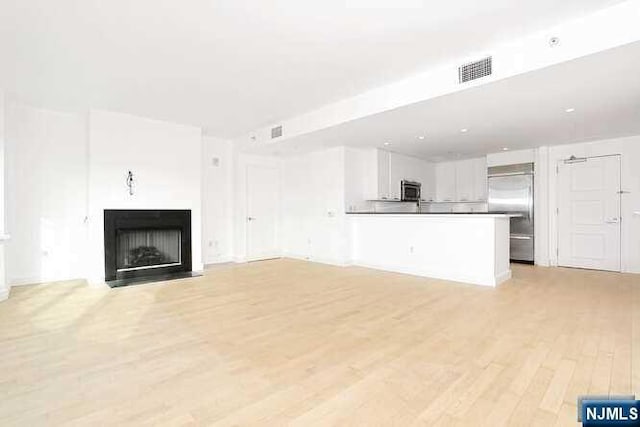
(460, 247)
(445, 214)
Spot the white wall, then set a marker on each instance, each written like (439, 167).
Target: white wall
(541, 210)
(4, 289)
(46, 194)
(629, 150)
(2, 164)
(313, 206)
(217, 200)
(165, 159)
(64, 169)
(511, 157)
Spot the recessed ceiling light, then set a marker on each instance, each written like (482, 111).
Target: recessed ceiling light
(421, 137)
(505, 148)
(465, 130)
(569, 110)
(387, 143)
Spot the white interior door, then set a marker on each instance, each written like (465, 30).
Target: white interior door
(262, 212)
(589, 213)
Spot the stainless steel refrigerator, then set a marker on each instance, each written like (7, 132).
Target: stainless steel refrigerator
(511, 192)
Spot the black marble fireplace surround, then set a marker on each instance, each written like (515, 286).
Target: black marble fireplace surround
(146, 245)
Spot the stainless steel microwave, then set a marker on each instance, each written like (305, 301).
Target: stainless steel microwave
(410, 191)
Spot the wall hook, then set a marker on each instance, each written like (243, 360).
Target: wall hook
(130, 182)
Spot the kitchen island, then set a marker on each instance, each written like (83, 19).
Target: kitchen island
(469, 248)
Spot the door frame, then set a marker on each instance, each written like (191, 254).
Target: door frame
(247, 237)
(556, 210)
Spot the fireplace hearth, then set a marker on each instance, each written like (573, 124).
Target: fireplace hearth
(146, 244)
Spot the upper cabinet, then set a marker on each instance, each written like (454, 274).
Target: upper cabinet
(480, 179)
(465, 187)
(462, 181)
(410, 169)
(382, 158)
(459, 181)
(392, 168)
(446, 182)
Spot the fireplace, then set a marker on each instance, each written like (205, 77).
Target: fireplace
(146, 243)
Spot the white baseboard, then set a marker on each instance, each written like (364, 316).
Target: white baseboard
(328, 261)
(503, 277)
(27, 281)
(39, 280)
(221, 260)
(4, 294)
(97, 283)
(544, 262)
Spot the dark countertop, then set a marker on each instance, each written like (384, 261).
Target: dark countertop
(431, 213)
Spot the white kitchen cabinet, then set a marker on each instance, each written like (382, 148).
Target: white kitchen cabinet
(410, 169)
(399, 169)
(462, 181)
(446, 182)
(427, 177)
(383, 174)
(480, 179)
(465, 173)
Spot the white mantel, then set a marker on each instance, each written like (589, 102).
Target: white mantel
(468, 248)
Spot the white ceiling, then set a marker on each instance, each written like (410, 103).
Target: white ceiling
(520, 112)
(231, 66)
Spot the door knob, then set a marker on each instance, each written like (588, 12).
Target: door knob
(613, 220)
(250, 218)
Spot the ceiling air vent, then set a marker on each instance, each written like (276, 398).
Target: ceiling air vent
(474, 70)
(276, 132)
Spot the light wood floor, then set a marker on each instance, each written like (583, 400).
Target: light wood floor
(292, 343)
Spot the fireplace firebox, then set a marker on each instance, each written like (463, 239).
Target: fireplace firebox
(146, 243)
